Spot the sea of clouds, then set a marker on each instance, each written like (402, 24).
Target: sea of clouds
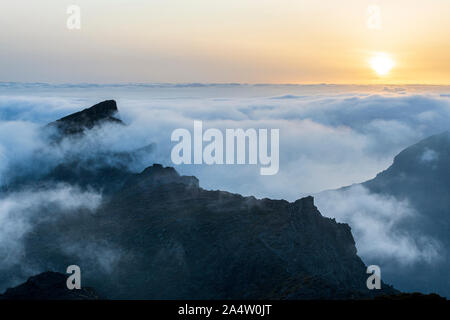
(330, 136)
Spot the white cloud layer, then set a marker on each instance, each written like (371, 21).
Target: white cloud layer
(376, 222)
(20, 211)
(330, 136)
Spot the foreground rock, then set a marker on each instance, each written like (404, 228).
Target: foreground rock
(48, 286)
(159, 235)
(164, 237)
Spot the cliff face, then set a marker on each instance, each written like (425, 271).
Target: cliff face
(420, 175)
(176, 240)
(158, 235)
(187, 242)
(78, 162)
(416, 188)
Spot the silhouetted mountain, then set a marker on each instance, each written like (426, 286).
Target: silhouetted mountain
(158, 235)
(96, 115)
(173, 239)
(419, 176)
(48, 286)
(99, 169)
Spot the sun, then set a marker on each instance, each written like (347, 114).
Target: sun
(381, 63)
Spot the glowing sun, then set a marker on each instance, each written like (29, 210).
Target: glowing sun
(381, 63)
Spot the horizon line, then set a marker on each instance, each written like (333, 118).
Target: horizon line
(200, 84)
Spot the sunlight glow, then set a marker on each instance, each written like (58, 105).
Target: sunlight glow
(381, 63)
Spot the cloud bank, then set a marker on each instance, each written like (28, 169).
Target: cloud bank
(330, 136)
(377, 225)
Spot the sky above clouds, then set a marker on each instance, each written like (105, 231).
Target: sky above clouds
(264, 41)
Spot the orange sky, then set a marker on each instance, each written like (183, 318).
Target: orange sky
(253, 41)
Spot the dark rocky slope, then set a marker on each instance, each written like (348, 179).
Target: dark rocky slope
(48, 286)
(178, 241)
(158, 235)
(419, 176)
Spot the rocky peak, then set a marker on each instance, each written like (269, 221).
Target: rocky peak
(78, 122)
(157, 175)
(306, 202)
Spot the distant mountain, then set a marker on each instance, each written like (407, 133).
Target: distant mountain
(158, 235)
(420, 175)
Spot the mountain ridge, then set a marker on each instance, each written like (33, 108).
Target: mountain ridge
(159, 235)
(419, 178)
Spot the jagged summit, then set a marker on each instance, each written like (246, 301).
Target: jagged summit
(157, 175)
(159, 169)
(88, 118)
(307, 202)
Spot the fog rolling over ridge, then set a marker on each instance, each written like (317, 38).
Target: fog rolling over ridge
(407, 204)
(360, 130)
(158, 235)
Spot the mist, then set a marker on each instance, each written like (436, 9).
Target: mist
(330, 136)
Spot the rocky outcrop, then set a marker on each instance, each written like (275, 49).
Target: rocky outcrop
(187, 242)
(83, 165)
(175, 240)
(159, 235)
(77, 123)
(48, 286)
